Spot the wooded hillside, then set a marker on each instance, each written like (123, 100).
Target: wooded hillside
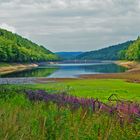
(14, 48)
(109, 53)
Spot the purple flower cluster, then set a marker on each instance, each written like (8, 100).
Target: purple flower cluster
(121, 108)
(128, 108)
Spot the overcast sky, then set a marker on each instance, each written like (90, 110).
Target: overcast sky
(72, 25)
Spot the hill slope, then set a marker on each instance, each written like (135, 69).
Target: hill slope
(110, 53)
(14, 48)
(133, 51)
(68, 55)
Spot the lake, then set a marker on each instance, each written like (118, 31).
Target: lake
(68, 70)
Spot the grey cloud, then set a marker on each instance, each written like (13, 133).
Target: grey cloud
(63, 25)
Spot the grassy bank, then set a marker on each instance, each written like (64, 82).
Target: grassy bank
(9, 68)
(99, 88)
(4, 65)
(22, 118)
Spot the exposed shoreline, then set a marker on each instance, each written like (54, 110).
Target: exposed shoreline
(16, 67)
(131, 65)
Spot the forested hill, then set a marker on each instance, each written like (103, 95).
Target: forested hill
(68, 55)
(14, 48)
(110, 53)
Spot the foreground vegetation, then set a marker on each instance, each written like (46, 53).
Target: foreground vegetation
(14, 48)
(25, 115)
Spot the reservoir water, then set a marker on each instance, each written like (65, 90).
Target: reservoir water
(68, 70)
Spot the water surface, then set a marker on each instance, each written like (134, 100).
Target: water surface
(68, 70)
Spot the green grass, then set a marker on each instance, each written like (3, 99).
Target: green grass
(100, 89)
(21, 119)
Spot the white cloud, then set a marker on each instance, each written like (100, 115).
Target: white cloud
(7, 27)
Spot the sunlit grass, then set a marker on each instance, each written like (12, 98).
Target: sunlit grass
(100, 89)
(23, 119)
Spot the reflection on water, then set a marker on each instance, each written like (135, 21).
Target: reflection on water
(36, 72)
(68, 70)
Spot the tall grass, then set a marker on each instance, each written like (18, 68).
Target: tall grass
(22, 118)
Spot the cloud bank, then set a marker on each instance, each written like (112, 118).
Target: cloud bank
(72, 25)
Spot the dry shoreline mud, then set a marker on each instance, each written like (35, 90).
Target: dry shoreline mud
(131, 65)
(16, 67)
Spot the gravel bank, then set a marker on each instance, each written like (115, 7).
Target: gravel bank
(17, 81)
